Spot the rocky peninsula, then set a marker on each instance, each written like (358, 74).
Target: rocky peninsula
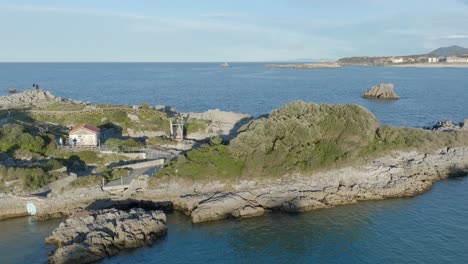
(300, 157)
(383, 91)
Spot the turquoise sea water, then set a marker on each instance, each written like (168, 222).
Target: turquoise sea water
(430, 228)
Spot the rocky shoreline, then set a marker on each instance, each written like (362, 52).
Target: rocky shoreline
(401, 175)
(406, 174)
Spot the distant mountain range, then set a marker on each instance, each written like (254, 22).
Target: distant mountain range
(450, 51)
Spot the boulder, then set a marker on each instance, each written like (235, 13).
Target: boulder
(90, 236)
(134, 118)
(227, 205)
(383, 91)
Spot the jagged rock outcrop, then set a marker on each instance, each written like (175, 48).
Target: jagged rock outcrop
(27, 98)
(221, 123)
(408, 174)
(449, 125)
(383, 91)
(90, 236)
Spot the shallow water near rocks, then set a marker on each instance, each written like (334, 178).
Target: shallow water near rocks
(430, 228)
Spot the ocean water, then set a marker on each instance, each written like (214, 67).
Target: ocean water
(427, 95)
(430, 228)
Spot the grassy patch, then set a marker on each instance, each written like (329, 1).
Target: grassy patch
(148, 121)
(115, 174)
(30, 178)
(205, 162)
(58, 106)
(156, 141)
(389, 139)
(196, 125)
(84, 181)
(116, 143)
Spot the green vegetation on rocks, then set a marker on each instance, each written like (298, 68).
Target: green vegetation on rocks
(196, 125)
(147, 120)
(207, 161)
(115, 143)
(30, 179)
(14, 137)
(114, 174)
(156, 141)
(388, 139)
(84, 181)
(304, 137)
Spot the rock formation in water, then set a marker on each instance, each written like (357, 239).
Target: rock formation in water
(90, 236)
(383, 91)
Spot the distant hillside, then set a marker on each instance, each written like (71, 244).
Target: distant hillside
(450, 51)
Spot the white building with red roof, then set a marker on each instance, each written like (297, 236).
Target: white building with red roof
(84, 135)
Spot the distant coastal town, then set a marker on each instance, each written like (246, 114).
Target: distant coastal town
(445, 55)
(452, 56)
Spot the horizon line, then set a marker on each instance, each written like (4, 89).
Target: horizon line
(275, 61)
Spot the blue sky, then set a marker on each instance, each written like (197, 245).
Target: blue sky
(222, 30)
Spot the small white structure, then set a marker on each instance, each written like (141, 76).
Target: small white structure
(397, 60)
(177, 129)
(84, 135)
(432, 60)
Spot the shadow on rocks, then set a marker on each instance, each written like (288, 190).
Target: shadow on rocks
(457, 172)
(129, 204)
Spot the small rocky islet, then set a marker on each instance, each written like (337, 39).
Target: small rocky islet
(300, 157)
(89, 236)
(383, 91)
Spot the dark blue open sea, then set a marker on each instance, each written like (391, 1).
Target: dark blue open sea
(430, 228)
